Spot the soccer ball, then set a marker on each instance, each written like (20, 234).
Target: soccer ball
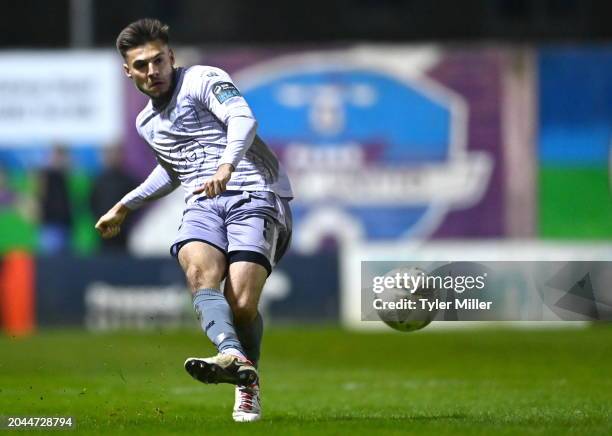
(404, 319)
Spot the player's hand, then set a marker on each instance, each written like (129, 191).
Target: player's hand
(217, 183)
(109, 224)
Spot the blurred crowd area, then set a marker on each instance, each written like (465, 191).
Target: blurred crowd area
(52, 208)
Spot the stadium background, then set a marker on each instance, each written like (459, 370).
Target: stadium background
(495, 119)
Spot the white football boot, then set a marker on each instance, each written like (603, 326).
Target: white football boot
(247, 404)
(222, 368)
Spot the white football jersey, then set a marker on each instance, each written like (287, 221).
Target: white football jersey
(189, 135)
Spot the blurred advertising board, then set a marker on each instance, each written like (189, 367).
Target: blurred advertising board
(382, 143)
(111, 292)
(60, 96)
(575, 139)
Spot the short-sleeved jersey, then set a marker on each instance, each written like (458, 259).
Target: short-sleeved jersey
(189, 135)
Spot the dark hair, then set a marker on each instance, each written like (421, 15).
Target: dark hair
(140, 32)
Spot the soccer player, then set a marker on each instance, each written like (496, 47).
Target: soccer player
(236, 223)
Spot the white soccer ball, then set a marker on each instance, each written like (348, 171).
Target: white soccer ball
(403, 318)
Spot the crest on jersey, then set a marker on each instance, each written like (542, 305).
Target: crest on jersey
(375, 148)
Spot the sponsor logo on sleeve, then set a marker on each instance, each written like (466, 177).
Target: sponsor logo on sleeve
(223, 91)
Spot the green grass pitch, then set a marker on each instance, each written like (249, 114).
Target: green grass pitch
(321, 381)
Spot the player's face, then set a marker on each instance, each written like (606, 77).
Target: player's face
(150, 66)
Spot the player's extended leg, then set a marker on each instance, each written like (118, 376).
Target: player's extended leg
(243, 286)
(245, 281)
(204, 267)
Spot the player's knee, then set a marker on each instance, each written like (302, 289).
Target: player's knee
(244, 310)
(199, 277)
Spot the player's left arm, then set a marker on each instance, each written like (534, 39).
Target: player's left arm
(223, 99)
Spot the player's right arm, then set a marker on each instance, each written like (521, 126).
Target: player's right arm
(109, 224)
(158, 184)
